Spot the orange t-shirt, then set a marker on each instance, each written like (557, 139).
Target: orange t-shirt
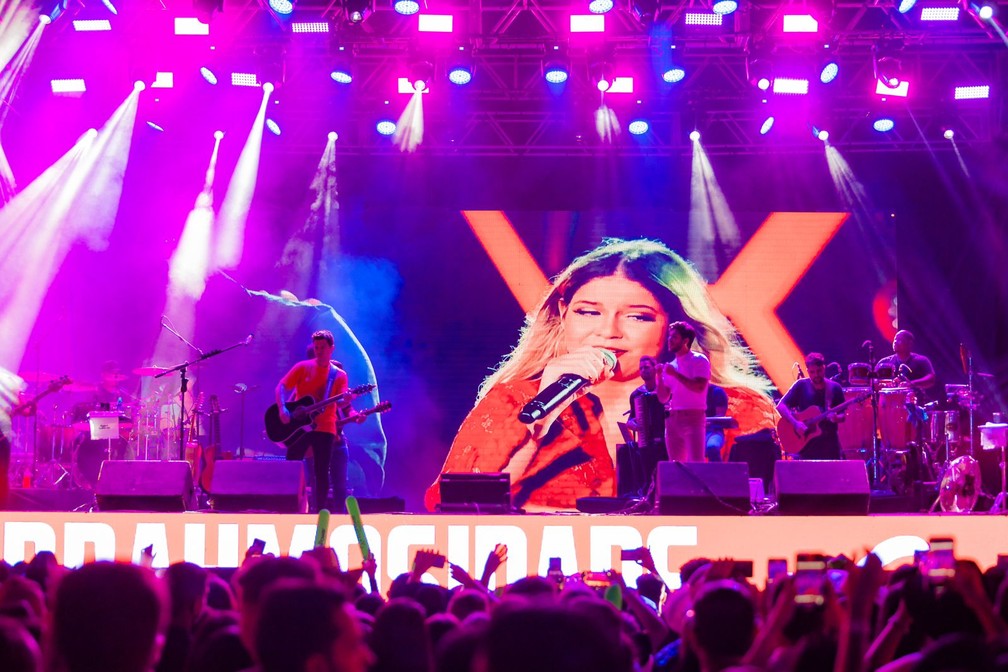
(308, 379)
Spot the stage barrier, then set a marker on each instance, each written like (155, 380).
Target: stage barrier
(583, 542)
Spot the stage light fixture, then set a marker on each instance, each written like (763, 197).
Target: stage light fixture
(268, 87)
(829, 71)
(356, 10)
(638, 127)
(674, 75)
(91, 25)
(602, 75)
(244, 79)
(822, 134)
(883, 124)
(406, 7)
(800, 23)
(110, 7)
(208, 75)
(52, 11)
(44, 19)
(163, 80)
(557, 70)
(68, 86)
(694, 136)
(154, 126)
(333, 137)
(724, 7)
(385, 127)
(600, 6)
(205, 9)
(139, 86)
(644, 11)
(282, 7)
(948, 134)
(273, 127)
(790, 86)
(188, 25)
(317, 27)
(944, 13)
(460, 74)
(421, 73)
(702, 19)
(766, 126)
(887, 68)
(759, 71)
(218, 135)
(342, 72)
(974, 92)
(984, 11)
(904, 6)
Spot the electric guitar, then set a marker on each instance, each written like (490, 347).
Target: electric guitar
(25, 407)
(303, 413)
(381, 407)
(791, 441)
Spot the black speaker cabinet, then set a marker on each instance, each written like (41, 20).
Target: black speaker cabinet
(258, 485)
(128, 485)
(475, 493)
(821, 487)
(703, 489)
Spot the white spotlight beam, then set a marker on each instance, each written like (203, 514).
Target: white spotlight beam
(410, 127)
(712, 226)
(238, 197)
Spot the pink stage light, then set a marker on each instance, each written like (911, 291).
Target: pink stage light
(68, 86)
(900, 91)
(435, 23)
(702, 19)
(947, 13)
(185, 25)
(790, 86)
(309, 26)
(972, 92)
(800, 23)
(91, 25)
(587, 23)
(621, 85)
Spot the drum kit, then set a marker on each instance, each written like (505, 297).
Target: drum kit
(63, 443)
(907, 442)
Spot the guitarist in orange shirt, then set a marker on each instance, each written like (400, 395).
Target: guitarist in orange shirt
(320, 379)
(811, 397)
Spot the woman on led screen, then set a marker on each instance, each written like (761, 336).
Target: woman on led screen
(619, 297)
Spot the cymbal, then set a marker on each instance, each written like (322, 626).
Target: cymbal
(149, 370)
(80, 387)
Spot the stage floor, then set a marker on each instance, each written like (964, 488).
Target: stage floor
(583, 542)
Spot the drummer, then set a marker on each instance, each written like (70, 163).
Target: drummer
(907, 367)
(110, 389)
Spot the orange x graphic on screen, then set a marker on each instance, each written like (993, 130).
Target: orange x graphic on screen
(750, 290)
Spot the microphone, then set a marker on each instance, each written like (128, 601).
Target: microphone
(905, 370)
(868, 344)
(559, 391)
(240, 388)
(801, 374)
(834, 366)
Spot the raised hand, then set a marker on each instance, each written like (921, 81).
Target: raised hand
(423, 560)
(497, 556)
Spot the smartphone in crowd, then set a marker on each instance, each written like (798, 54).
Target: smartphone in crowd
(810, 569)
(555, 573)
(940, 564)
(776, 569)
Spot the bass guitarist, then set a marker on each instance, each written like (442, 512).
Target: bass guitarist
(814, 391)
(320, 378)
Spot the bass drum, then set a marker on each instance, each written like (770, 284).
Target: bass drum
(855, 431)
(89, 454)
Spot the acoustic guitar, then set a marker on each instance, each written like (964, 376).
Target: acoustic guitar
(213, 451)
(302, 415)
(791, 441)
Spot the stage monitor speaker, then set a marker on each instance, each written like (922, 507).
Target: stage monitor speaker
(475, 493)
(131, 485)
(703, 489)
(821, 487)
(259, 485)
(381, 504)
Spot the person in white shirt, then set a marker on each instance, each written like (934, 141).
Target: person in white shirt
(682, 387)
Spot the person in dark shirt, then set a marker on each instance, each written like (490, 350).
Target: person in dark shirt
(908, 367)
(819, 392)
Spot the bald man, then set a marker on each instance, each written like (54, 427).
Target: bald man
(910, 368)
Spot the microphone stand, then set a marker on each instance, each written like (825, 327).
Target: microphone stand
(184, 382)
(969, 380)
(241, 389)
(874, 474)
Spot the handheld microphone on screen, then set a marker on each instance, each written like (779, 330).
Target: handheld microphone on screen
(559, 391)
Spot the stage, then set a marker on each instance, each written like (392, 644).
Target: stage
(583, 542)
